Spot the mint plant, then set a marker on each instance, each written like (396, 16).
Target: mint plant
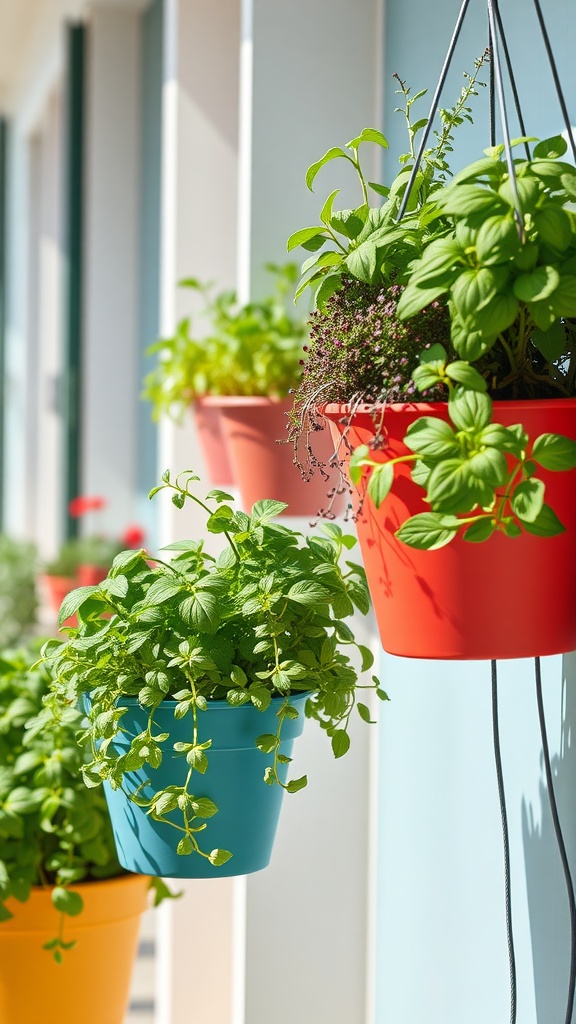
(251, 349)
(53, 831)
(264, 619)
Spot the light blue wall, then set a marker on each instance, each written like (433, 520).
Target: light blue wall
(441, 940)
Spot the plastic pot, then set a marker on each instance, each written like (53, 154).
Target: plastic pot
(92, 983)
(504, 598)
(213, 443)
(248, 809)
(263, 468)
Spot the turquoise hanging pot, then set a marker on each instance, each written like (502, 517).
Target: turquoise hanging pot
(248, 808)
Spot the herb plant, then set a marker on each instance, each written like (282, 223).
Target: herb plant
(264, 619)
(53, 831)
(496, 249)
(251, 349)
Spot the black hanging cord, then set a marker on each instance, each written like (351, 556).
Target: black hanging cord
(559, 840)
(511, 78)
(433, 109)
(506, 839)
(556, 78)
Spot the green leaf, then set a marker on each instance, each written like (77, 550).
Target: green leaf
(295, 785)
(415, 298)
(326, 212)
(528, 499)
(307, 593)
(432, 437)
(554, 451)
(219, 857)
(185, 846)
(306, 235)
(163, 589)
(439, 257)
(554, 226)
(312, 171)
(364, 713)
(463, 373)
(260, 697)
(497, 240)
(537, 285)
(66, 901)
(203, 807)
(267, 742)
(546, 524)
(330, 284)
(480, 531)
(380, 482)
(463, 200)
(490, 466)
(340, 743)
(428, 531)
(368, 135)
(469, 410)
(203, 611)
(264, 511)
(73, 601)
(550, 149)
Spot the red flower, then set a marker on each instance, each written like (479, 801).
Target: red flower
(79, 506)
(133, 537)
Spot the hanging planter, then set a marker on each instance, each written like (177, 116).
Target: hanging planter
(35, 988)
(199, 674)
(248, 810)
(214, 447)
(465, 600)
(262, 466)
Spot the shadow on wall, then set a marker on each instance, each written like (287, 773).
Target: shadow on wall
(547, 895)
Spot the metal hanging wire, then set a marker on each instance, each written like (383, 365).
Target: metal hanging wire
(497, 96)
(559, 840)
(497, 37)
(506, 844)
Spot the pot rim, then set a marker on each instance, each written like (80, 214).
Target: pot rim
(245, 400)
(338, 408)
(219, 705)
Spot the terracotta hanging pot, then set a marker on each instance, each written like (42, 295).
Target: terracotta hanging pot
(503, 598)
(212, 442)
(92, 983)
(90, 575)
(264, 468)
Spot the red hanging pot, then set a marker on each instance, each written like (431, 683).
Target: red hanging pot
(503, 598)
(265, 469)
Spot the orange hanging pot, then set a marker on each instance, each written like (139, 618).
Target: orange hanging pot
(502, 598)
(92, 983)
(263, 468)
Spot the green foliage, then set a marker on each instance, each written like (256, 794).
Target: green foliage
(53, 831)
(367, 242)
(253, 349)
(18, 599)
(264, 619)
(498, 252)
